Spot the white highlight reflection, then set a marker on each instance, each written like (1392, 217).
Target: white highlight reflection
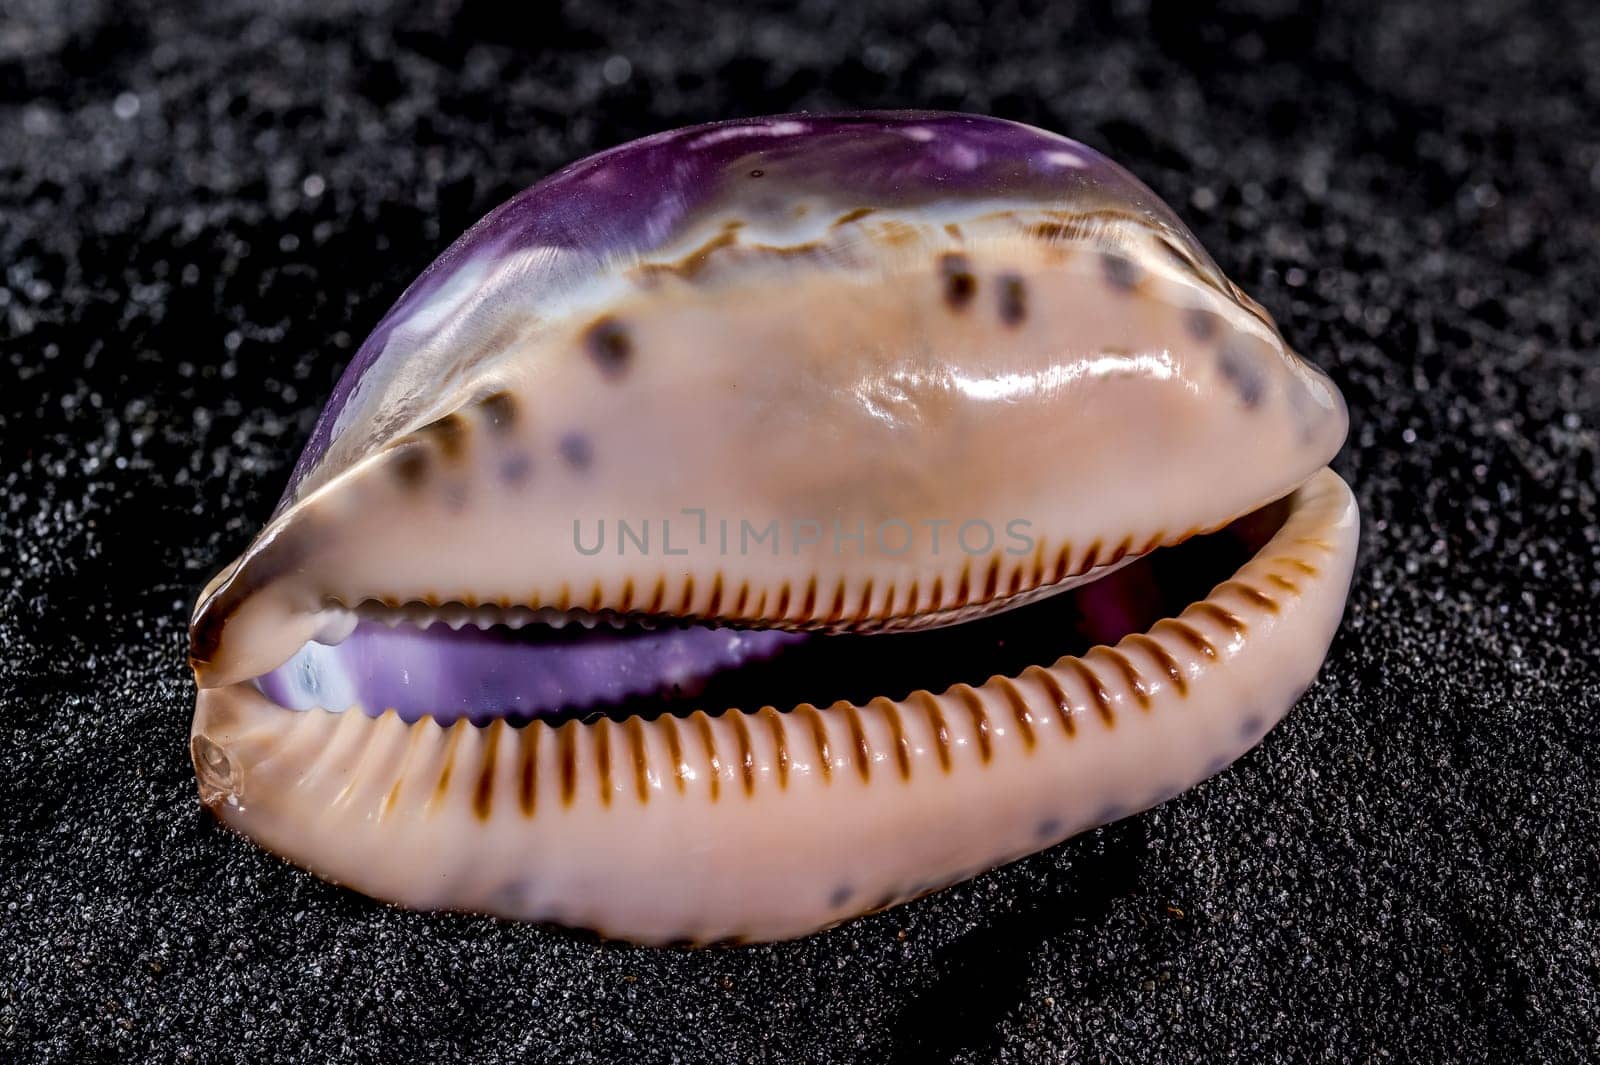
(776, 129)
(891, 397)
(1057, 378)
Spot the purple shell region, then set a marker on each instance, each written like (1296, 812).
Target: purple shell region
(484, 674)
(641, 196)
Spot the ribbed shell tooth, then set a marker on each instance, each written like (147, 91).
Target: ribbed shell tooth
(457, 615)
(336, 625)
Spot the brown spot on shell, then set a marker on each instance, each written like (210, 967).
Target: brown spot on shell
(960, 285)
(449, 435)
(1239, 368)
(610, 346)
(410, 467)
(1120, 272)
(1013, 299)
(499, 410)
(1201, 324)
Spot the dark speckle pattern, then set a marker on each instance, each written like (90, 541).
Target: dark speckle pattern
(448, 436)
(515, 468)
(1405, 868)
(1012, 292)
(1241, 367)
(959, 283)
(576, 450)
(499, 411)
(1121, 273)
(1201, 324)
(410, 466)
(1111, 813)
(610, 345)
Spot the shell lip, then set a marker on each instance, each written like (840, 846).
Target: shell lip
(360, 801)
(280, 553)
(568, 667)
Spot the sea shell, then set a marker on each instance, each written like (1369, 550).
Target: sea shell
(767, 522)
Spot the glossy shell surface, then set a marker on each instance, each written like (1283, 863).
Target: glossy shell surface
(857, 330)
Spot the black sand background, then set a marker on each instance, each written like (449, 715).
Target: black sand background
(203, 208)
